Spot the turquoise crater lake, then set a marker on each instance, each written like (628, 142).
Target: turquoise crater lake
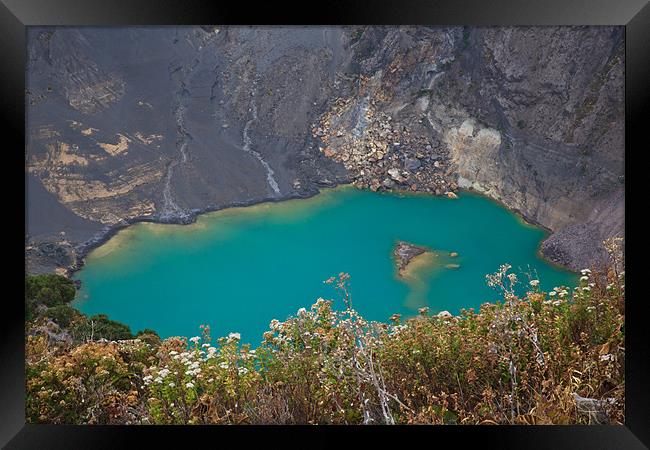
(237, 269)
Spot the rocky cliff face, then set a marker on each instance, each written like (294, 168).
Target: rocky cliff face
(163, 123)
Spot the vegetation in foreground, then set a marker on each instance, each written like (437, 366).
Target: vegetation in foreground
(543, 358)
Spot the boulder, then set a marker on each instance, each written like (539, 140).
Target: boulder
(412, 163)
(395, 175)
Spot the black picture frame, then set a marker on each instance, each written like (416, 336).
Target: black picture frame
(16, 15)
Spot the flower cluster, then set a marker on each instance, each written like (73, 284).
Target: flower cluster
(525, 360)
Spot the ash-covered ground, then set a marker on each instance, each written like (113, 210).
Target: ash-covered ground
(162, 123)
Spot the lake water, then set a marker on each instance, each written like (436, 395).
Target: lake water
(239, 268)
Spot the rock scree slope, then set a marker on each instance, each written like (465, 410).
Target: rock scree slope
(163, 123)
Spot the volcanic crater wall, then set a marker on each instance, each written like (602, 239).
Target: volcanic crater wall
(163, 123)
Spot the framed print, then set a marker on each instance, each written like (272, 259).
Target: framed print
(389, 215)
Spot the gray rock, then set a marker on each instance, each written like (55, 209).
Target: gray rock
(412, 164)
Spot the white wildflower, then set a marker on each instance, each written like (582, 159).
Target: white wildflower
(534, 283)
(235, 336)
(189, 385)
(195, 339)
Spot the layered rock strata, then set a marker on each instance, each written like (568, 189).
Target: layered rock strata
(163, 123)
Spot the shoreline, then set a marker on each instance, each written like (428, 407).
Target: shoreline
(191, 217)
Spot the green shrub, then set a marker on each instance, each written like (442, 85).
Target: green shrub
(49, 289)
(63, 315)
(149, 336)
(46, 289)
(100, 326)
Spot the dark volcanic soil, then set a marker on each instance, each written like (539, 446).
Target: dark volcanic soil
(162, 123)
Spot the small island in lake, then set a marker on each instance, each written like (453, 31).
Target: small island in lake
(405, 252)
